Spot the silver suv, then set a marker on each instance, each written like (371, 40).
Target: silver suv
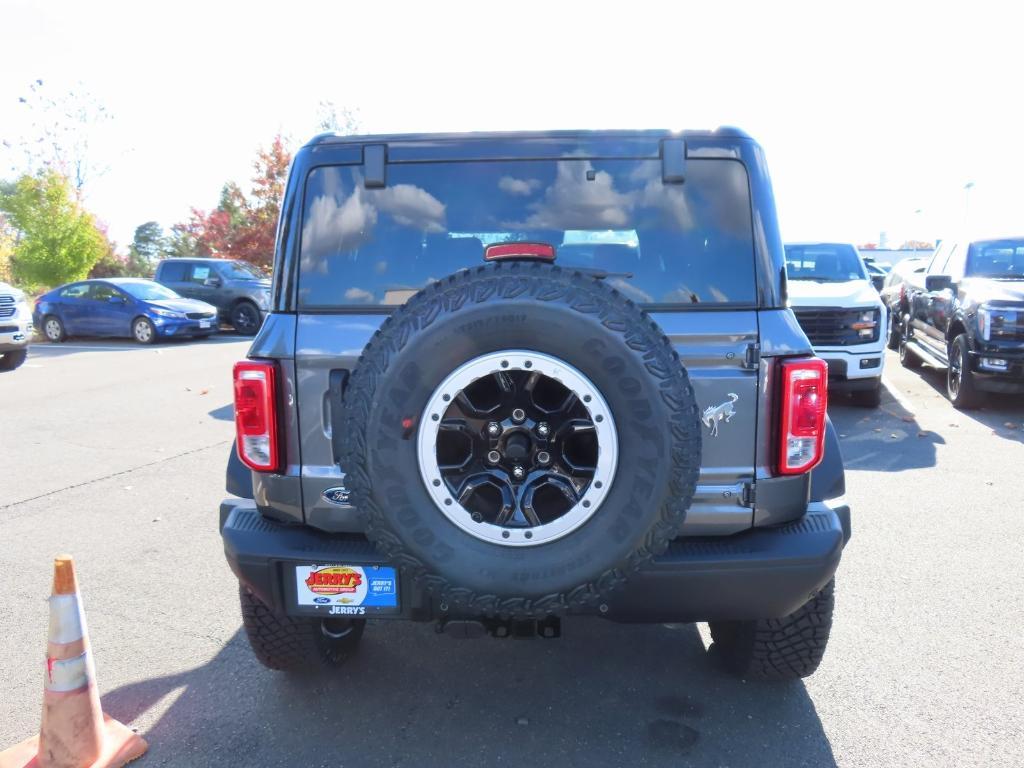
(15, 327)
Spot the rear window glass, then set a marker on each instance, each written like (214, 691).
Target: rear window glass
(660, 243)
(823, 263)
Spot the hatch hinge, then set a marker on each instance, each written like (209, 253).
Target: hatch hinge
(752, 357)
(749, 494)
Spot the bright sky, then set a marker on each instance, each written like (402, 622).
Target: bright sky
(868, 114)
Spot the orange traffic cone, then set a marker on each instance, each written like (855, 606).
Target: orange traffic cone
(75, 733)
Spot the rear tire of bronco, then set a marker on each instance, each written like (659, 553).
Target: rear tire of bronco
(480, 495)
(290, 643)
(777, 649)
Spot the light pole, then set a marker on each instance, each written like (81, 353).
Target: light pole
(967, 203)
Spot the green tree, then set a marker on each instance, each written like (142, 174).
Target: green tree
(6, 250)
(56, 239)
(241, 226)
(148, 246)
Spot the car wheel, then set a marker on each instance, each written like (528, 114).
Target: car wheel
(959, 377)
(245, 318)
(143, 331)
(290, 643)
(521, 440)
(777, 649)
(894, 333)
(53, 329)
(11, 360)
(908, 359)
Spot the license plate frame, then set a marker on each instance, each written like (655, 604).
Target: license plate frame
(206, 324)
(342, 589)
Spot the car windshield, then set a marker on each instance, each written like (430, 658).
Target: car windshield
(825, 263)
(148, 291)
(239, 270)
(996, 259)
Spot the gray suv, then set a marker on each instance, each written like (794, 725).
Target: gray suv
(510, 378)
(240, 291)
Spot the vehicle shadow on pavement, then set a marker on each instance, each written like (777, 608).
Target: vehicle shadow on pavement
(885, 439)
(602, 695)
(224, 413)
(1003, 414)
(80, 345)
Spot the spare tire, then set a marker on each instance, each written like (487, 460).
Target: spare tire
(519, 438)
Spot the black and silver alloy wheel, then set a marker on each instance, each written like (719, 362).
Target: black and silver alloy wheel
(517, 448)
(955, 372)
(245, 318)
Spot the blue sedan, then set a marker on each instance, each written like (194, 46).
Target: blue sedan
(127, 307)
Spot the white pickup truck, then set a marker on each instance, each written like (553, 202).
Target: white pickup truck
(15, 327)
(841, 313)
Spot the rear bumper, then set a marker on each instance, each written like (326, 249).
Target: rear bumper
(760, 573)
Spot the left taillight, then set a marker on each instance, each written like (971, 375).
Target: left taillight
(256, 415)
(804, 383)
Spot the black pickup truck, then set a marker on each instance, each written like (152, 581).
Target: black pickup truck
(508, 378)
(965, 313)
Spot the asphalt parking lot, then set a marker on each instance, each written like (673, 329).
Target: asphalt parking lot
(116, 453)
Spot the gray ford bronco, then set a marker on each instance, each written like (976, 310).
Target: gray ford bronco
(510, 378)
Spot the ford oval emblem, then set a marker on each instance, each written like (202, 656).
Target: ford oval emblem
(337, 495)
(321, 600)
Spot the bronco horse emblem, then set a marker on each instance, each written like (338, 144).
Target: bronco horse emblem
(715, 414)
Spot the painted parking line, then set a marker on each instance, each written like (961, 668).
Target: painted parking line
(98, 348)
(898, 396)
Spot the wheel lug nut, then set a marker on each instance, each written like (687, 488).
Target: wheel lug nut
(518, 415)
(518, 473)
(542, 429)
(494, 429)
(493, 457)
(477, 517)
(543, 457)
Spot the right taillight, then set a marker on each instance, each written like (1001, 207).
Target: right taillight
(804, 383)
(256, 414)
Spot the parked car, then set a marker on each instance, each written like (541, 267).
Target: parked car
(121, 306)
(494, 433)
(239, 291)
(15, 327)
(877, 271)
(966, 314)
(842, 315)
(894, 295)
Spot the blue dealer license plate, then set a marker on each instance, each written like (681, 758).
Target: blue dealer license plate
(352, 590)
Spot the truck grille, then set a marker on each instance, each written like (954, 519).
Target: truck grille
(833, 326)
(7, 306)
(199, 315)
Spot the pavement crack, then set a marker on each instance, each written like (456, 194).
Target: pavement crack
(120, 472)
